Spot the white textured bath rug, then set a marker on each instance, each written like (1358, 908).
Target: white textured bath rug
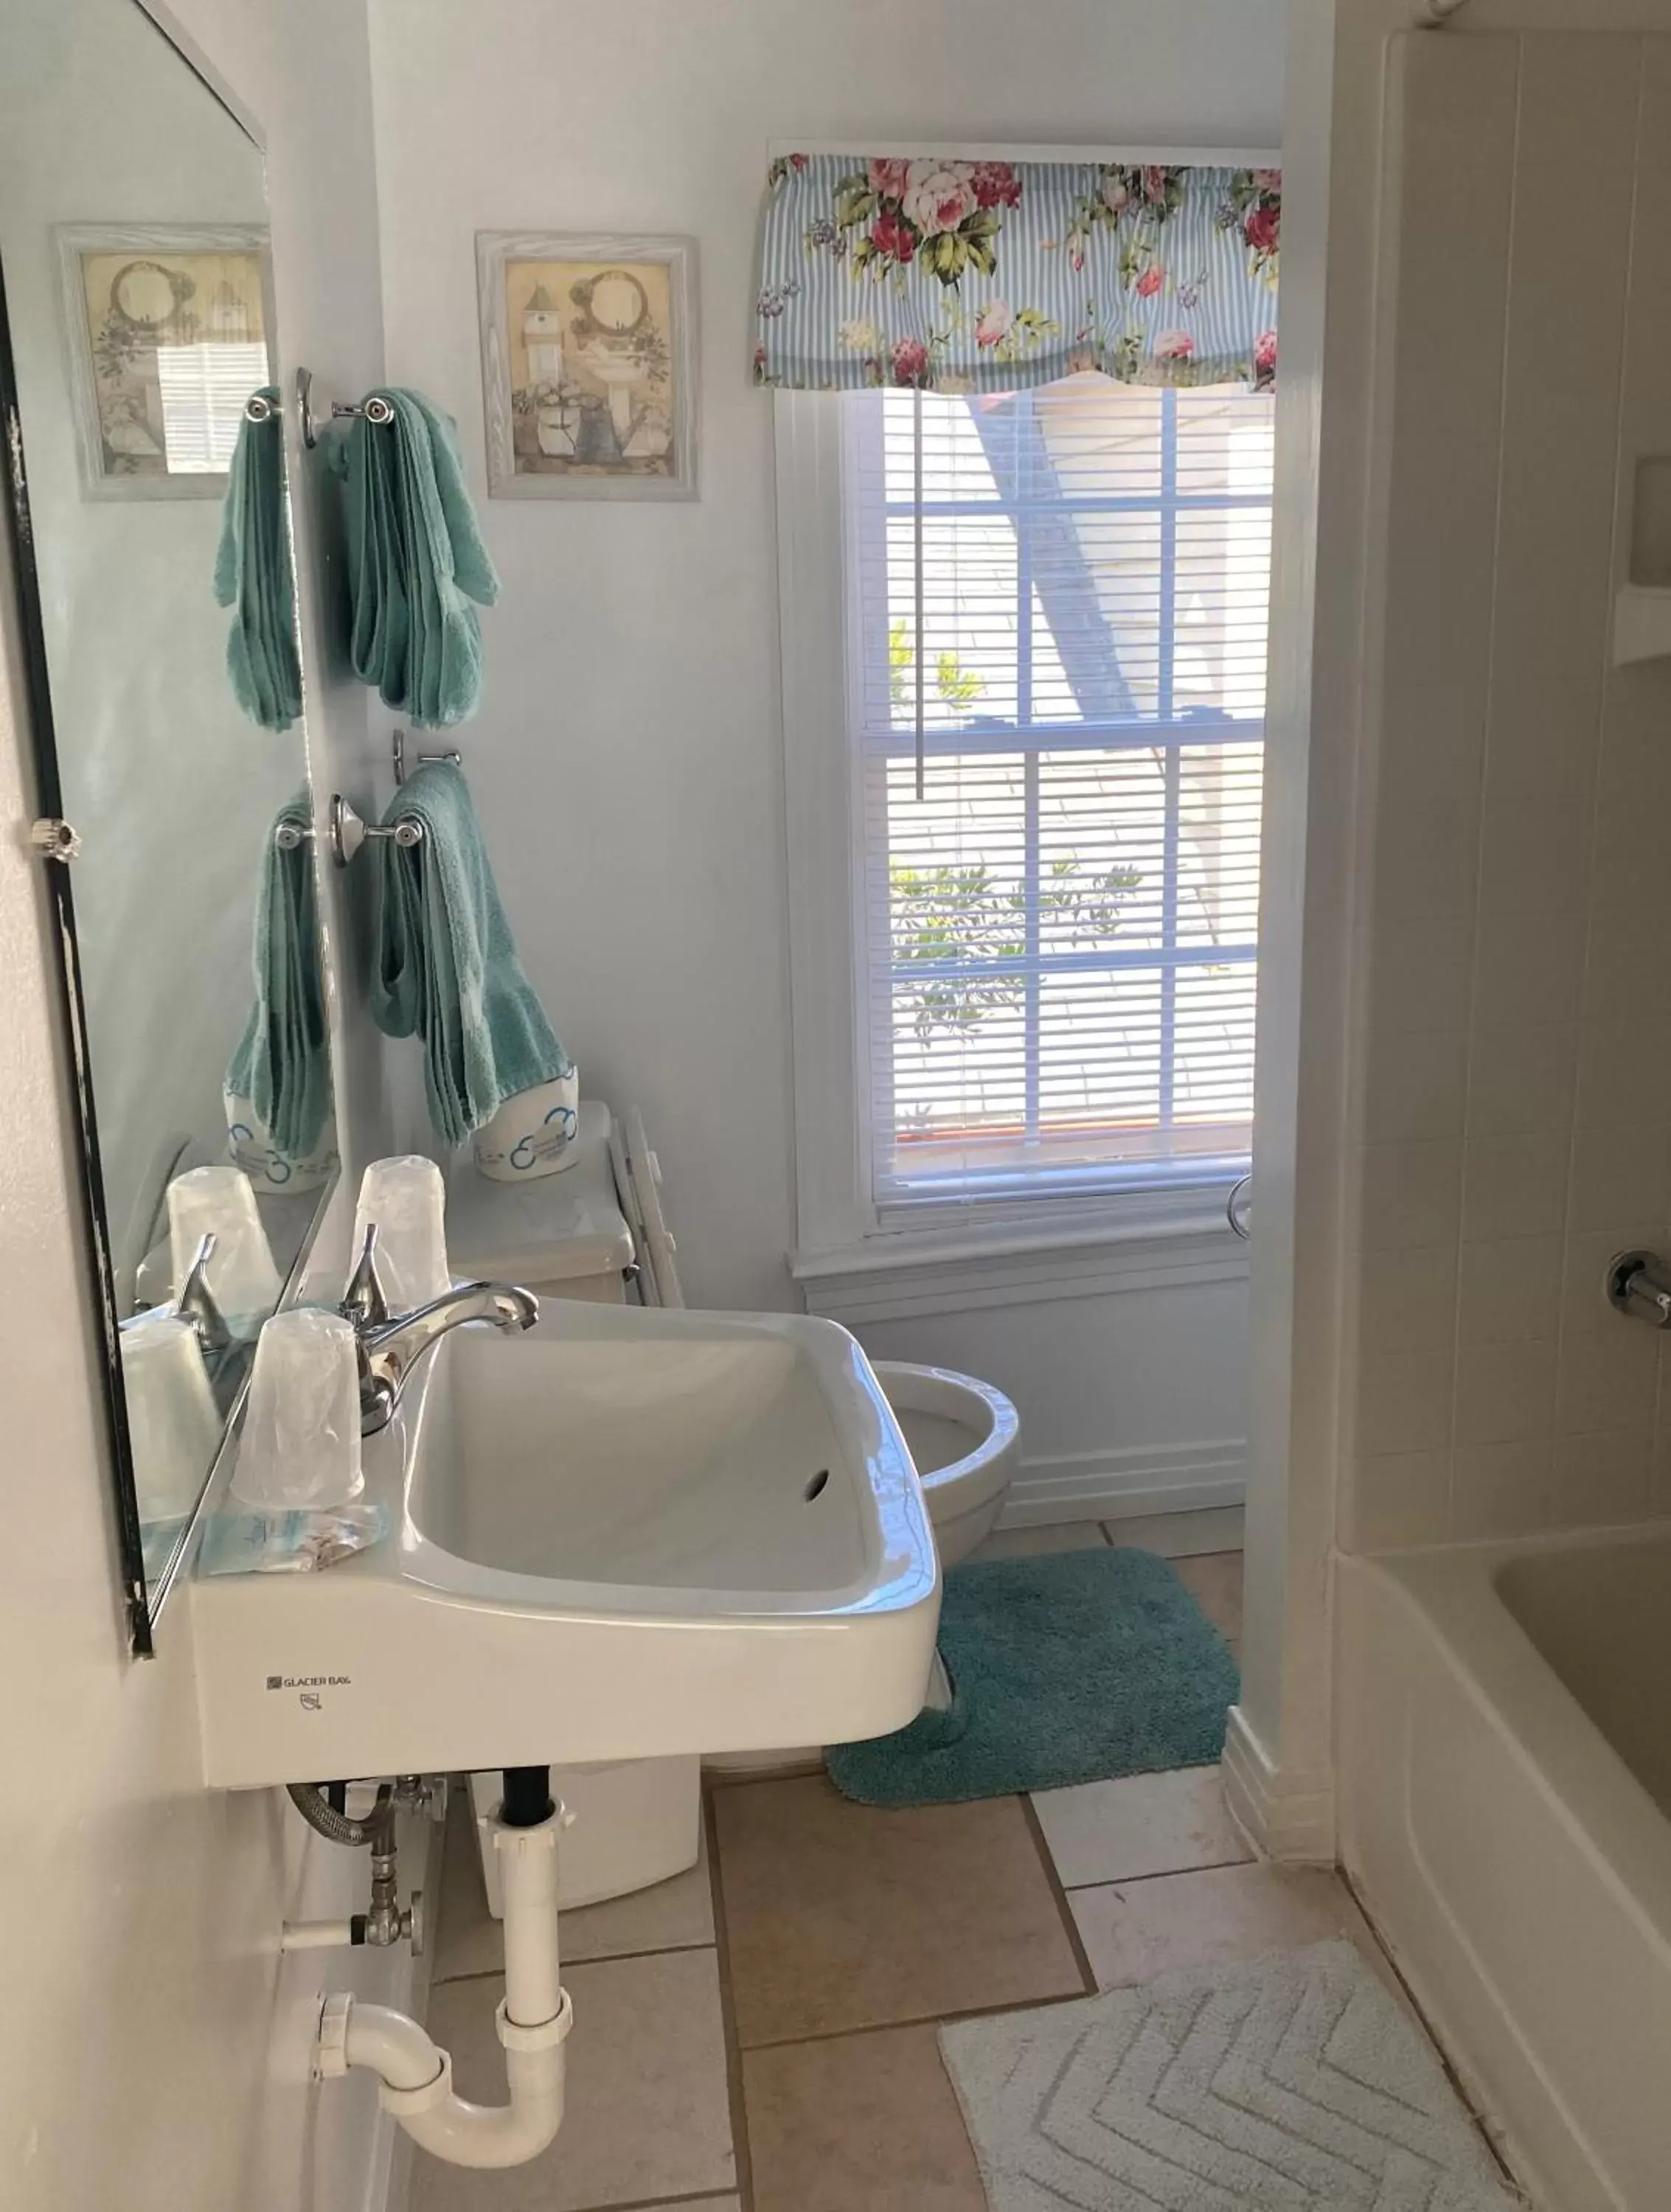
(1292, 2084)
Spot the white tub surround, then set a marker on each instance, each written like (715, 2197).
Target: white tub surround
(1506, 1795)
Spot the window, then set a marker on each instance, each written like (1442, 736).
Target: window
(1055, 651)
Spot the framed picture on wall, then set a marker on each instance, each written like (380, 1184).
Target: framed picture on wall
(588, 364)
(167, 332)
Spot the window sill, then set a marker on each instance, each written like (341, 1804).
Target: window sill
(1166, 1240)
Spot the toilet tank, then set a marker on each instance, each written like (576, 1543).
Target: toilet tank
(561, 1236)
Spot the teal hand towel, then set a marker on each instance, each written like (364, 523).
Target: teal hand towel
(283, 1063)
(416, 561)
(445, 967)
(253, 575)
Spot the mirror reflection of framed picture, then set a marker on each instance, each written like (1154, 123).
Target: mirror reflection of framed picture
(588, 365)
(167, 329)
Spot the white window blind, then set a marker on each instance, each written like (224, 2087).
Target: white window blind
(1057, 601)
(202, 389)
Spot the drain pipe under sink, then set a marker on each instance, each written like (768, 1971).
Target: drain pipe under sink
(533, 2019)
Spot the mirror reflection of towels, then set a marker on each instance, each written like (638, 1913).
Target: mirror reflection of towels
(281, 1070)
(252, 575)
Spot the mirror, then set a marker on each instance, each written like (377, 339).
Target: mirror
(136, 328)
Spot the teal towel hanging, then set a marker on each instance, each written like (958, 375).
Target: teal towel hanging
(446, 968)
(418, 567)
(252, 575)
(283, 1063)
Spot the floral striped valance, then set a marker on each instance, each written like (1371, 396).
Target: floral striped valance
(983, 275)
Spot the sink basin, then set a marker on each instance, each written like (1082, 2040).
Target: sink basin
(627, 1533)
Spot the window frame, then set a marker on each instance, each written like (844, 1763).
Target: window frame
(840, 1220)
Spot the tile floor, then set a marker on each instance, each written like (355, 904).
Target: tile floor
(758, 2035)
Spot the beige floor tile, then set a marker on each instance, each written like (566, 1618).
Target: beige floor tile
(648, 2111)
(1133, 1931)
(1214, 1580)
(1181, 1535)
(1028, 1543)
(857, 2124)
(670, 1916)
(839, 1916)
(1142, 1824)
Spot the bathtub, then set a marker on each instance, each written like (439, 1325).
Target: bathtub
(1505, 1770)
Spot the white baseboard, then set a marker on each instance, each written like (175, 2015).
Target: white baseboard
(1287, 1816)
(1137, 1478)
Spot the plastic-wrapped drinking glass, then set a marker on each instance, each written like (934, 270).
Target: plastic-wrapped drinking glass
(174, 1423)
(406, 1197)
(300, 1445)
(242, 1278)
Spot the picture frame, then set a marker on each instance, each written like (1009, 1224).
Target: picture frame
(163, 324)
(588, 364)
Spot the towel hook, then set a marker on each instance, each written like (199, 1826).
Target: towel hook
(375, 410)
(347, 831)
(398, 745)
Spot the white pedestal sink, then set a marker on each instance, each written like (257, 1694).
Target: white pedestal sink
(629, 1534)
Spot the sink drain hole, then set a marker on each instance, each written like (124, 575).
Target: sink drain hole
(816, 1484)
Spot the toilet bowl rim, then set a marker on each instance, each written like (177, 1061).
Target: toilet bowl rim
(992, 1448)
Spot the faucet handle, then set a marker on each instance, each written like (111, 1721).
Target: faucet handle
(365, 1302)
(195, 1301)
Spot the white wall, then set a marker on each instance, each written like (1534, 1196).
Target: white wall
(628, 761)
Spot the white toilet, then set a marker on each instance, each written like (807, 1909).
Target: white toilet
(965, 1438)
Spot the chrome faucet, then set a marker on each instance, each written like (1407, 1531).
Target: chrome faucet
(1639, 1284)
(391, 1344)
(195, 1301)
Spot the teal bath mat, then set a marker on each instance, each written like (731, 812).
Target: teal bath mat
(1073, 1667)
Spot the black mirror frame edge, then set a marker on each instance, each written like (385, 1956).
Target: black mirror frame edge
(49, 800)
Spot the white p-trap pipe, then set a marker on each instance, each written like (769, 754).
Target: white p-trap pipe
(533, 2021)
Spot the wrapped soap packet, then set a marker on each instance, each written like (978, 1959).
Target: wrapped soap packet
(246, 1543)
